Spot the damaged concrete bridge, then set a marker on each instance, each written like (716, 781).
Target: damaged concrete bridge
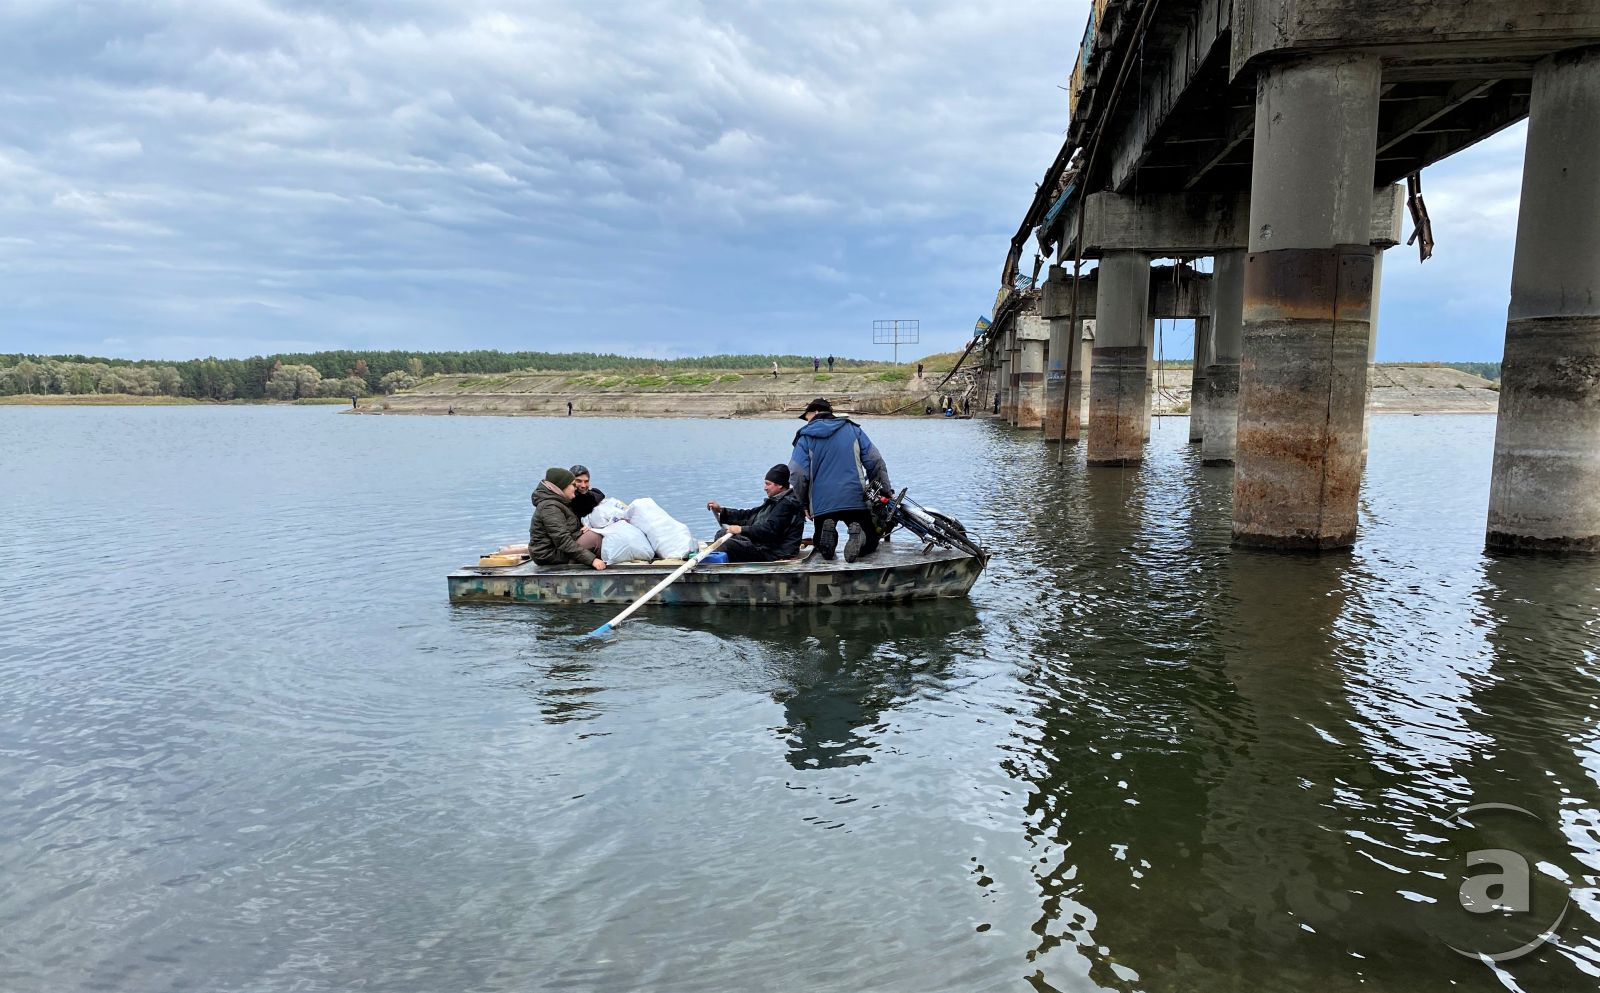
(1270, 137)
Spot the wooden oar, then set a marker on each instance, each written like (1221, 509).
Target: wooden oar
(676, 573)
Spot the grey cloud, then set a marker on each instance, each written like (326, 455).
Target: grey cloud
(664, 177)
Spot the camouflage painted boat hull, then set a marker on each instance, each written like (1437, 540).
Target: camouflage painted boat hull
(896, 573)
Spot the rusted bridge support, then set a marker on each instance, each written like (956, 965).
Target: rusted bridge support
(1197, 380)
(1033, 333)
(1013, 368)
(1307, 304)
(1007, 401)
(1372, 351)
(1149, 376)
(1544, 494)
(1222, 375)
(1078, 382)
(1118, 379)
(1062, 403)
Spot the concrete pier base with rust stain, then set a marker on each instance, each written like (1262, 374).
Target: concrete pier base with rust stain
(1544, 492)
(1119, 376)
(1222, 373)
(1063, 388)
(1302, 397)
(1007, 401)
(1033, 334)
(1198, 394)
(1307, 304)
(1118, 405)
(1055, 380)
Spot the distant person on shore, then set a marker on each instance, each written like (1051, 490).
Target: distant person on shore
(830, 363)
(585, 497)
(833, 460)
(769, 532)
(774, 370)
(569, 408)
(555, 537)
(816, 364)
(919, 370)
(354, 401)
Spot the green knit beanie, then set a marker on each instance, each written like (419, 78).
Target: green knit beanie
(558, 477)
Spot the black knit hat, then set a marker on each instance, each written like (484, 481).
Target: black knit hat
(817, 406)
(778, 474)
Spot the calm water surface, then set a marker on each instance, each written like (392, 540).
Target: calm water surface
(246, 744)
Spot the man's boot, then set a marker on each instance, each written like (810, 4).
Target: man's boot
(826, 540)
(852, 548)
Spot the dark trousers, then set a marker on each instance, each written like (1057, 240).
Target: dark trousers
(742, 549)
(826, 536)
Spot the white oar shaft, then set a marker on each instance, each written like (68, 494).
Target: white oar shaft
(666, 582)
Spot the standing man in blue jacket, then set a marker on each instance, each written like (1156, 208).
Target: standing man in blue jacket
(832, 464)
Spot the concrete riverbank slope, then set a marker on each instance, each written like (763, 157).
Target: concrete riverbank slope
(697, 393)
(1396, 388)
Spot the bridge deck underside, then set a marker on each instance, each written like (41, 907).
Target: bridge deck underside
(1428, 111)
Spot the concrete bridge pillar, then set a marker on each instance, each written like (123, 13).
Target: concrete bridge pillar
(1222, 374)
(1119, 403)
(1197, 380)
(1307, 304)
(1063, 396)
(1055, 381)
(1372, 353)
(1006, 404)
(1033, 333)
(1013, 373)
(1544, 493)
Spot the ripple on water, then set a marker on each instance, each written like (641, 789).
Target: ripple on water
(249, 746)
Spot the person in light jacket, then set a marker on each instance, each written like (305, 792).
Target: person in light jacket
(832, 463)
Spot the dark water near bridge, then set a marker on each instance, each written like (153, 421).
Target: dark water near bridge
(245, 743)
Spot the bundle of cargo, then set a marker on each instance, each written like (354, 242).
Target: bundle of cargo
(638, 532)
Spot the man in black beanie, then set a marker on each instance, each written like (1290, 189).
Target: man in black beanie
(769, 532)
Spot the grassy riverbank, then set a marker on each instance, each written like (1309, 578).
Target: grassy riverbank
(1424, 387)
(739, 392)
(877, 390)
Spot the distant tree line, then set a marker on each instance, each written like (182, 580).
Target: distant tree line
(336, 373)
(1488, 370)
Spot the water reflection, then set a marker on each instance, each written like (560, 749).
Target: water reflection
(1133, 760)
(1534, 714)
(1115, 809)
(838, 669)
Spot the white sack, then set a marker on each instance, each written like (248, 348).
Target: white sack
(622, 542)
(670, 538)
(606, 513)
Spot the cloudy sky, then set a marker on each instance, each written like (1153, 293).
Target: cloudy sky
(661, 177)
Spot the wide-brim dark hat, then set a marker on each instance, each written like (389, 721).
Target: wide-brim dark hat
(817, 406)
